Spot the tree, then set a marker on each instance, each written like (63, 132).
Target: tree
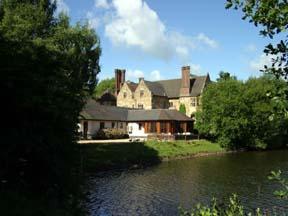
(104, 85)
(225, 76)
(48, 68)
(272, 16)
(241, 115)
(182, 109)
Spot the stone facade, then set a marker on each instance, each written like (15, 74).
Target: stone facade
(167, 94)
(125, 97)
(143, 96)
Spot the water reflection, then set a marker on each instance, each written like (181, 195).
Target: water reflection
(161, 189)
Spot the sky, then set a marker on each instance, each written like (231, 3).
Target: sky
(155, 38)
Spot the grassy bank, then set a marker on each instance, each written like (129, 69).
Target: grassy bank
(125, 155)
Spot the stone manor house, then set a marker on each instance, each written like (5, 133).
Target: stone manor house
(164, 94)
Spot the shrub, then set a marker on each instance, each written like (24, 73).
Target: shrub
(111, 133)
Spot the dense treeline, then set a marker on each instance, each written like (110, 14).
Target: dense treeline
(47, 67)
(245, 114)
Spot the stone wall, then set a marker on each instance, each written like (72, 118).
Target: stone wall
(143, 96)
(159, 102)
(190, 106)
(125, 98)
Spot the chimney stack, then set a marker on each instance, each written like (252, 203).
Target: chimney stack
(119, 80)
(185, 82)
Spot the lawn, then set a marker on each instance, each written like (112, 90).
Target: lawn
(136, 154)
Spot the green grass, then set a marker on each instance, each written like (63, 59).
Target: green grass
(125, 155)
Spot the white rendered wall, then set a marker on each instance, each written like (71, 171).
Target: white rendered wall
(133, 130)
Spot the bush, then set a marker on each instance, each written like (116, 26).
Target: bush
(111, 133)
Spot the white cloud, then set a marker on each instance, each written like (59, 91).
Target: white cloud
(155, 75)
(206, 40)
(93, 21)
(195, 69)
(258, 63)
(61, 7)
(102, 4)
(135, 24)
(134, 75)
(251, 48)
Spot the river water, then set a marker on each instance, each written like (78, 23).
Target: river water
(161, 189)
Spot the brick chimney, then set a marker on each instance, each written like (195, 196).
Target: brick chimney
(119, 79)
(185, 82)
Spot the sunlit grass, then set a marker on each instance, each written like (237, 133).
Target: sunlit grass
(123, 155)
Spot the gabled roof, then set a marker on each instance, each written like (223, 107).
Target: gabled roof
(96, 111)
(132, 86)
(197, 85)
(107, 96)
(171, 88)
(156, 88)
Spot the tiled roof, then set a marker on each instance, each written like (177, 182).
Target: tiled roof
(132, 86)
(96, 111)
(107, 96)
(156, 115)
(156, 88)
(171, 88)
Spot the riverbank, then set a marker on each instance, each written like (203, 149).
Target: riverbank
(99, 157)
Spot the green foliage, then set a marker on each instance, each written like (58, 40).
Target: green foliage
(104, 85)
(225, 76)
(111, 133)
(277, 176)
(272, 16)
(48, 67)
(233, 208)
(242, 115)
(182, 109)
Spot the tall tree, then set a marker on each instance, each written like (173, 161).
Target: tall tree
(241, 115)
(48, 67)
(105, 85)
(225, 76)
(272, 16)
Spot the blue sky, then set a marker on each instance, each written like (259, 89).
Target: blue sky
(155, 38)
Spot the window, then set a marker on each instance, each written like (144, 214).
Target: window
(113, 124)
(163, 127)
(193, 102)
(140, 126)
(102, 125)
(171, 104)
(124, 94)
(132, 95)
(130, 130)
(140, 106)
(153, 127)
(121, 125)
(141, 93)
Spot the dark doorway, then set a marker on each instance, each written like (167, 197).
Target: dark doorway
(85, 129)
